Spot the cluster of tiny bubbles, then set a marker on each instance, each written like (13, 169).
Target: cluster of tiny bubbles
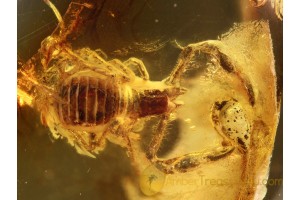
(235, 123)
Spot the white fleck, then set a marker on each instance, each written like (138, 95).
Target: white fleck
(80, 194)
(26, 182)
(175, 5)
(88, 170)
(69, 68)
(156, 20)
(192, 127)
(188, 120)
(173, 116)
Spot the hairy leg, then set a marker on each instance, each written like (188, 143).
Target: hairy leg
(139, 65)
(184, 163)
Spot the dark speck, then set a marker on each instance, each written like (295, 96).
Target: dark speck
(92, 136)
(81, 115)
(241, 142)
(219, 106)
(99, 116)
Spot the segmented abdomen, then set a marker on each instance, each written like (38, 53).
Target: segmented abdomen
(89, 101)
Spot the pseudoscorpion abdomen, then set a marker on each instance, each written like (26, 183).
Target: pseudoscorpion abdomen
(89, 101)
